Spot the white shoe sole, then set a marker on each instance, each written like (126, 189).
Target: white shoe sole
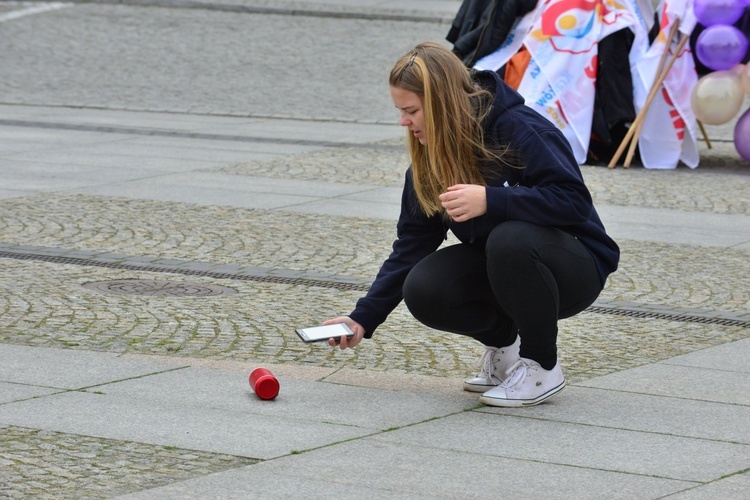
(517, 403)
(477, 387)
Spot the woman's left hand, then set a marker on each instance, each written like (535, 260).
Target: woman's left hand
(464, 201)
(344, 342)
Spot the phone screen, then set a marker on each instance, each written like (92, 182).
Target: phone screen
(318, 333)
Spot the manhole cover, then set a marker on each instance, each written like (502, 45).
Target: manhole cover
(159, 288)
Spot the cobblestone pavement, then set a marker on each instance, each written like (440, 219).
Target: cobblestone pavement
(43, 464)
(45, 304)
(727, 192)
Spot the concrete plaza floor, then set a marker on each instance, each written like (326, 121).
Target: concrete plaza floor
(107, 393)
(152, 260)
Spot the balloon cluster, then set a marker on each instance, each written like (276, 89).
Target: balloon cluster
(718, 96)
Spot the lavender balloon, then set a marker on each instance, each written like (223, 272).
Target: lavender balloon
(742, 136)
(711, 12)
(721, 47)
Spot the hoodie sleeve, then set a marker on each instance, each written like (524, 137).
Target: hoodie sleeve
(417, 237)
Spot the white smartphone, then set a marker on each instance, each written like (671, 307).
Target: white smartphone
(318, 333)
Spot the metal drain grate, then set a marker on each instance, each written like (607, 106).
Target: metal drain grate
(186, 272)
(625, 311)
(670, 317)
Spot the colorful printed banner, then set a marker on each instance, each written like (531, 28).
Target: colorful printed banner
(562, 37)
(564, 46)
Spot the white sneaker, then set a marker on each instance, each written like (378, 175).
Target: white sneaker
(528, 384)
(496, 363)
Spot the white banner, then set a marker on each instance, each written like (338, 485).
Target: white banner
(668, 133)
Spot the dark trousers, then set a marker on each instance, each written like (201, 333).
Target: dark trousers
(523, 280)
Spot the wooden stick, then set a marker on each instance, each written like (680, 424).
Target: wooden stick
(670, 38)
(705, 135)
(649, 99)
(659, 71)
(636, 126)
(633, 144)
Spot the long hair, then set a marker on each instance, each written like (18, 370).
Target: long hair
(453, 108)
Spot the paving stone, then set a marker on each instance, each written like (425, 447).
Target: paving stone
(44, 464)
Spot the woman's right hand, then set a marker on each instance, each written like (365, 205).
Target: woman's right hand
(344, 342)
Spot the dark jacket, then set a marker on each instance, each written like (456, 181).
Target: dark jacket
(548, 191)
(480, 27)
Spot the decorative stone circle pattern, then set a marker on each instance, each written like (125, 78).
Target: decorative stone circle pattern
(157, 288)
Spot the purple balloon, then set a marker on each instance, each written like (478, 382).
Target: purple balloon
(721, 47)
(742, 136)
(711, 12)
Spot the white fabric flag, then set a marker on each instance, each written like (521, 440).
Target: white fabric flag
(560, 81)
(668, 133)
(644, 15)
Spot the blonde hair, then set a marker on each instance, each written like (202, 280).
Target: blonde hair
(453, 108)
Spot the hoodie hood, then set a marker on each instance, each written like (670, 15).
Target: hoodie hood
(505, 97)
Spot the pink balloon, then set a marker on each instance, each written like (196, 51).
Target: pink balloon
(721, 47)
(742, 136)
(710, 12)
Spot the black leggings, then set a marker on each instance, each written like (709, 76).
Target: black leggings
(524, 280)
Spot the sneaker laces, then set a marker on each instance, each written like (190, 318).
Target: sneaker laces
(488, 361)
(518, 372)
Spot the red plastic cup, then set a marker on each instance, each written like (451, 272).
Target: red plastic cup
(264, 384)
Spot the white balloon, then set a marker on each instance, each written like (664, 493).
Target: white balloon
(717, 97)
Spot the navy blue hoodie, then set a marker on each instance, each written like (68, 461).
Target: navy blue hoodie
(548, 191)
